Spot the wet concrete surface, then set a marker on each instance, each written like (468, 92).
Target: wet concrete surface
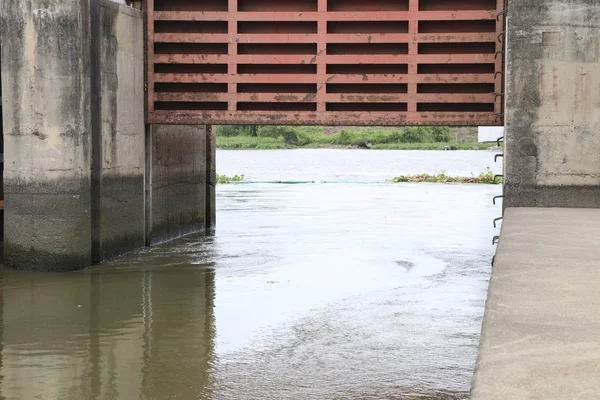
(311, 291)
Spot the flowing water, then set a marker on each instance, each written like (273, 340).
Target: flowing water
(348, 288)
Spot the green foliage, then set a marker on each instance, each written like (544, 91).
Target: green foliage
(236, 130)
(386, 137)
(440, 134)
(417, 134)
(346, 137)
(289, 135)
(228, 179)
(252, 129)
(488, 177)
(227, 130)
(296, 138)
(273, 131)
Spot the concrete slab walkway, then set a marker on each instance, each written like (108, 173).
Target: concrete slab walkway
(541, 331)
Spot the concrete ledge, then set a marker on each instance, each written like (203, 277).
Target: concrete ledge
(552, 196)
(541, 331)
(47, 231)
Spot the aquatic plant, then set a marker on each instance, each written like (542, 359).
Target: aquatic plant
(228, 179)
(485, 178)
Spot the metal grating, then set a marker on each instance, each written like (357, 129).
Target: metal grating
(327, 62)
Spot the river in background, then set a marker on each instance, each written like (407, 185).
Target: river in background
(351, 165)
(354, 289)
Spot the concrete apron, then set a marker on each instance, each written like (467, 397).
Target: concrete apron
(541, 331)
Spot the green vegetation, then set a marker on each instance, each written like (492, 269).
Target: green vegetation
(248, 142)
(229, 179)
(486, 178)
(393, 138)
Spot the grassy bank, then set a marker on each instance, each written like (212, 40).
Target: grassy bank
(486, 178)
(391, 138)
(405, 138)
(258, 143)
(433, 146)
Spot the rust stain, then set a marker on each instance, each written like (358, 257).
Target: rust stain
(314, 59)
(555, 87)
(286, 98)
(542, 82)
(577, 98)
(309, 97)
(375, 99)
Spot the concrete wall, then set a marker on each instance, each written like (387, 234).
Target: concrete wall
(553, 104)
(74, 193)
(211, 177)
(177, 179)
(121, 220)
(75, 141)
(47, 125)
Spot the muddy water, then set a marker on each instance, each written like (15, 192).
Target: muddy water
(354, 289)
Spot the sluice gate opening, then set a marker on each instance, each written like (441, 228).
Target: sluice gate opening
(325, 62)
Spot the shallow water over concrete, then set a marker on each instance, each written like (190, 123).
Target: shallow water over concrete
(311, 291)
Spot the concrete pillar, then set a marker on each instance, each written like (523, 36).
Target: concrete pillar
(553, 104)
(73, 113)
(47, 127)
(211, 177)
(176, 179)
(120, 223)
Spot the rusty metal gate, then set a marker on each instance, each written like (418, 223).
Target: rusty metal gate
(326, 62)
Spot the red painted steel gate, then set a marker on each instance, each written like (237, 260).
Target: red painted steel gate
(327, 62)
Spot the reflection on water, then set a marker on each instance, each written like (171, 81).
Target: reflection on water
(120, 334)
(305, 292)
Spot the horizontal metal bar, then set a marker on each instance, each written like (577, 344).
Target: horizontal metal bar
(321, 58)
(328, 38)
(409, 59)
(328, 97)
(322, 118)
(455, 78)
(455, 15)
(193, 97)
(330, 78)
(224, 78)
